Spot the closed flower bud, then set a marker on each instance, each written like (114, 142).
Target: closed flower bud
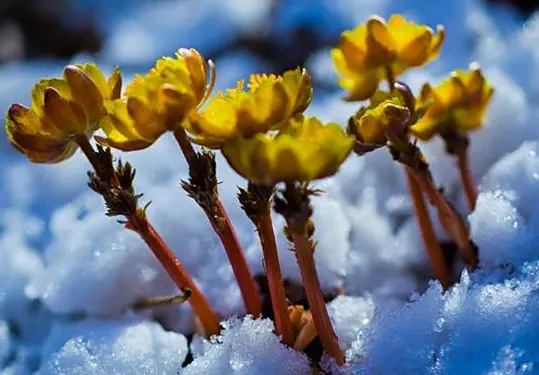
(304, 150)
(269, 101)
(366, 53)
(157, 101)
(371, 124)
(61, 110)
(460, 101)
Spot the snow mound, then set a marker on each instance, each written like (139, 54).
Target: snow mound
(350, 316)
(482, 325)
(505, 223)
(247, 347)
(125, 346)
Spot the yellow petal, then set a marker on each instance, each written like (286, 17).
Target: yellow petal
(65, 115)
(197, 70)
(120, 129)
(38, 92)
(361, 87)
(355, 57)
(380, 44)
(23, 131)
(424, 129)
(437, 41)
(217, 121)
(96, 76)
(85, 92)
(298, 86)
(417, 51)
(114, 84)
(146, 121)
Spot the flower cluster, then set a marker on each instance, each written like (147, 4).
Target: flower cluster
(378, 50)
(263, 133)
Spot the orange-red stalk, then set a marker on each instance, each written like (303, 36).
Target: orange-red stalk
(222, 225)
(304, 256)
(438, 262)
(275, 280)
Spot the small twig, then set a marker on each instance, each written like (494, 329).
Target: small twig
(163, 301)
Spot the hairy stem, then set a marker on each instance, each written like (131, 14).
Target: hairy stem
(437, 259)
(175, 269)
(222, 225)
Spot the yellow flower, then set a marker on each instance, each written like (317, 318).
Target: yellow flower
(269, 101)
(157, 101)
(365, 53)
(62, 108)
(370, 124)
(304, 150)
(460, 100)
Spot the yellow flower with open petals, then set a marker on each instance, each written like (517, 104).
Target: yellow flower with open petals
(268, 103)
(365, 54)
(460, 100)
(304, 150)
(157, 101)
(62, 109)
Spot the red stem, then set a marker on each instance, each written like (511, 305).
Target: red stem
(434, 251)
(180, 276)
(225, 230)
(317, 305)
(449, 218)
(275, 280)
(223, 227)
(470, 188)
(175, 269)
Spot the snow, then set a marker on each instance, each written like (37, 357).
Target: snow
(478, 327)
(69, 276)
(505, 224)
(125, 346)
(247, 346)
(350, 317)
